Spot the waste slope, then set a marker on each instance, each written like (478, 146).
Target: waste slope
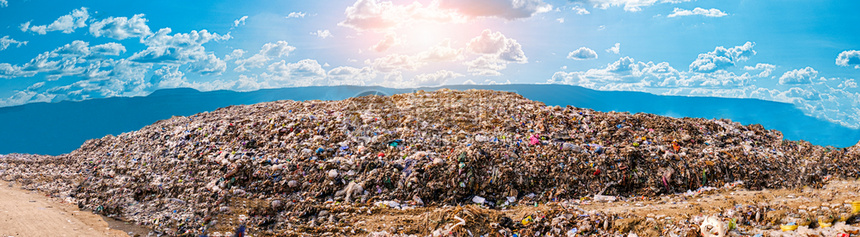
(302, 167)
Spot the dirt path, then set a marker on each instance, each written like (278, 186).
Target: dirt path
(26, 213)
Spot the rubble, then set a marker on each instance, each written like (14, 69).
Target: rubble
(315, 167)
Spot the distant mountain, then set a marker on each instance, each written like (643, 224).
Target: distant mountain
(56, 128)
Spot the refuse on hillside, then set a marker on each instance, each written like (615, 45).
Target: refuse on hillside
(304, 167)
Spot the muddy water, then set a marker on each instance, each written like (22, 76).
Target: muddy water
(128, 227)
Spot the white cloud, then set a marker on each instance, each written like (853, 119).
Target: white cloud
(496, 52)
(387, 42)
(76, 48)
(4, 3)
(240, 21)
(182, 49)
(66, 23)
(322, 34)
(268, 52)
(507, 9)
(441, 53)
(237, 53)
(24, 26)
(5, 42)
(300, 69)
(350, 76)
(616, 49)
(850, 83)
(629, 5)
(560, 20)
(169, 76)
(120, 27)
(436, 78)
(486, 65)
(798, 76)
(496, 43)
(124, 78)
(296, 15)
(627, 74)
(849, 58)
(722, 58)
(73, 59)
(582, 53)
(113, 49)
(766, 69)
(579, 10)
(713, 12)
(395, 62)
(305, 72)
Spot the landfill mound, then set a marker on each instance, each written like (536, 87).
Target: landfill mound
(314, 167)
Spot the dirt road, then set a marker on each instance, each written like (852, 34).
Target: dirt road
(27, 213)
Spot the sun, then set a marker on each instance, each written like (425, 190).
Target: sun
(423, 35)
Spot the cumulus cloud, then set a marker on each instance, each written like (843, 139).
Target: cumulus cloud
(849, 58)
(237, 53)
(628, 74)
(496, 52)
(497, 44)
(99, 78)
(616, 49)
(4, 3)
(390, 39)
(121, 27)
(486, 65)
(560, 20)
(507, 9)
(322, 34)
(301, 69)
(766, 69)
(350, 75)
(268, 52)
(629, 5)
(713, 12)
(582, 53)
(169, 76)
(441, 53)
(435, 79)
(850, 83)
(66, 23)
(240, 21)
(798, 76)
(579, 10)
(5, 42)
(296, 15)
(112, 49)
(73, 59)
(182, 48)
(395, 62)
(305, 72)
(722, 58)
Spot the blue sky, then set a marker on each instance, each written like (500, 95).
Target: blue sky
(803, 52)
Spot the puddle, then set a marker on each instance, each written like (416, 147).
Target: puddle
(128, 227)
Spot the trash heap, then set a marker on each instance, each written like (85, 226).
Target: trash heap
(290, 167)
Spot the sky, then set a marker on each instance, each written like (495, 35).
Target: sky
(803, 52)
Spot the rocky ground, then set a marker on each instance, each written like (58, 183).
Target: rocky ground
(450, 163)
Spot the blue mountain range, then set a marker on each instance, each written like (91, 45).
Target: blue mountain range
(57, 128)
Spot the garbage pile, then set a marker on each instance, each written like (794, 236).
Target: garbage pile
(290, 167)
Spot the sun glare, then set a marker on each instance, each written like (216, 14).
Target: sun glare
(421, 36)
